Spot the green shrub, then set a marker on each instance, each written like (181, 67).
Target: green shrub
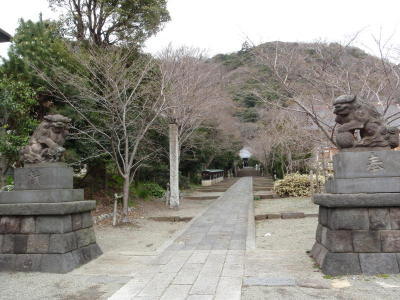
(9, 180)
(295, 185)
(9, 185)
(149, 190)
(154, 189)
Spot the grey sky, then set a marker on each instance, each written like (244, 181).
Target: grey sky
(221, 26)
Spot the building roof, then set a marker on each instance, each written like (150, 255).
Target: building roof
(4, 36)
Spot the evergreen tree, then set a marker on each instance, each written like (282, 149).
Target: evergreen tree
(36, 46)
(112, 22)
(17, 120)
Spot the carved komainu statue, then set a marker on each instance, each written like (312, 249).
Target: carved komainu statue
(46, 143)
(352, 115)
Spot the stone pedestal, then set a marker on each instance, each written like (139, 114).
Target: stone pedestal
(45, 224)
(359, 216)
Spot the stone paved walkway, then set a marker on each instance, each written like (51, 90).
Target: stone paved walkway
(204, 262)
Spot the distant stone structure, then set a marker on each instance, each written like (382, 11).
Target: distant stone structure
(46, 143)
(359, 213)
(45, 224)
(352, 115)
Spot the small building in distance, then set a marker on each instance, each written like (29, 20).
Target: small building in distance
(245, 155)
(4, 36)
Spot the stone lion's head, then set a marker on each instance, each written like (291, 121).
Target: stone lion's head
(344, 105)
(57, 123)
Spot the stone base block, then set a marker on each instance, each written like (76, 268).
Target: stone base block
(358, 200)
(47, 243)
(363, 185)
(61, 208)
(41, 196)
(363, 164)
(355, 240)
(45, 224)
(336, 264)
(43, 176)
(360, 218)
(50, 263)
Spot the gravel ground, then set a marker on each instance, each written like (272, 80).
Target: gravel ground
(144, 235)
(294, 204)
(281, 253)
(283, 234)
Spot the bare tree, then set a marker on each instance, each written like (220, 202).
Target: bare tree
(118, 100)
(307, 77)
(192, 87)
(285, 133)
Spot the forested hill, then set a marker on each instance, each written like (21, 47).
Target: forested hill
(252, 81)
(283, 94)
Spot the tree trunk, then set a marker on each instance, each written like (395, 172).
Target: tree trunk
(3, 162)
(173, 166)
(3, 169)
(290, 161)
(126, 194)
(312, 183)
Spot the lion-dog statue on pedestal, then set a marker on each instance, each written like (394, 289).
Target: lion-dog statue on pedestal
(352, 115)
(46, 143)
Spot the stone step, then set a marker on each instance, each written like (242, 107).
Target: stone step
(263, 186)
(171, 219)
(262, 189)
(265, 196)
(200, 197)
(214, 187)
(284, 215)
(262, 181)
(211, 190)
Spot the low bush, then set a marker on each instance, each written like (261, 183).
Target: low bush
(149, 190)
(295, 185)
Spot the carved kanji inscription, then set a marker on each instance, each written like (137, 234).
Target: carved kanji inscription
(375, 164)
(34, 177)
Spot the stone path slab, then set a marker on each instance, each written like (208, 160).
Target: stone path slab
(207, 260)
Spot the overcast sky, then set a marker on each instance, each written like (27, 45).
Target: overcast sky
(221, 26)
